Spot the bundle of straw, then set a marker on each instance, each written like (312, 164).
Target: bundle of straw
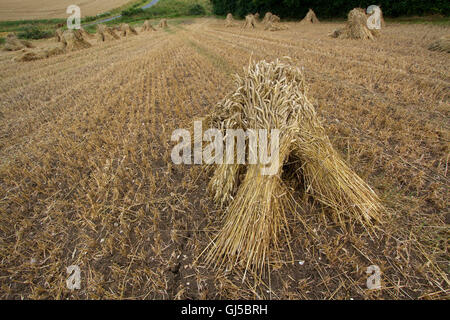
(58, 35)
(229, 21)
(163, 23)
(273, 26)
(442, 44)
(310, 18)
(127, 30)
(40, 54)
(250, 22)
(105, 33)
(73, 40)
(271, 22)
(12, 43)
(147, 26)
(274, 96)
(356, 27)
(270, 17)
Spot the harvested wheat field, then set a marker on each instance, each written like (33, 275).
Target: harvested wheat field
(87, 179)
(46, 9)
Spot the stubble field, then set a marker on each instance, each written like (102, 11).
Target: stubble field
(46, 9)
(86, 177)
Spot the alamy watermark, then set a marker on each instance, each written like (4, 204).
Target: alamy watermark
(229, 149)
(374, 21)
(74, 280)
(374, 280)
(74, 20)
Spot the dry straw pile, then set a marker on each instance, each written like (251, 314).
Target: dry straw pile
(147, 26)
(73, 40)
(310, 18)
(81, 33)
(58, 34)
(37, 55)
(271, 22)
(442, 44)
(105, 33)
(356, 27)
(163, 23)
(69, 40)
(30, 56)
(273, 96)
(127, 30)
(12, 43)
(250, 22)
(229, 21)
(269, 17)
(272, 26)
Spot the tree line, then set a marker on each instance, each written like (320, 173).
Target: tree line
(329, 8)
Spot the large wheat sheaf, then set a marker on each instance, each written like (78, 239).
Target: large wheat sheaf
(274, 96)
